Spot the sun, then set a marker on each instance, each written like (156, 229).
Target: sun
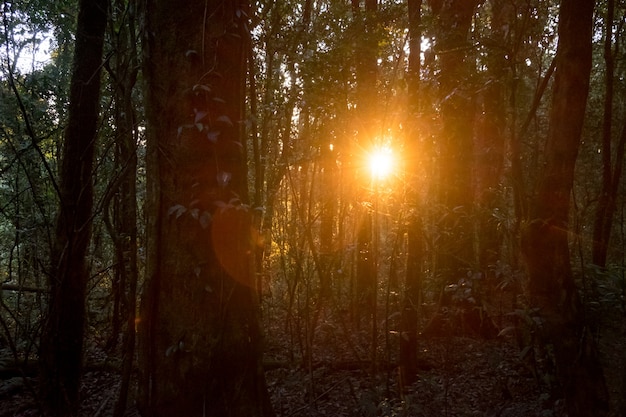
(381, 162)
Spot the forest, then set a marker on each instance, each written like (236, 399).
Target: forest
(308, 208)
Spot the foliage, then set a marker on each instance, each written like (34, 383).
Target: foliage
(304, 145)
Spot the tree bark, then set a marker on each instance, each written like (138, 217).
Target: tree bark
(366, 71)
(455, 255)
(455, 251)
(415, 252)
(61, 347)
(123, 192)
(611, 171)
(199, 333)
(551, 285)
(489, 142)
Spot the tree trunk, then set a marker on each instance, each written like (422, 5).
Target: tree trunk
(611, 172)
(455, 257)
(199, 330)
(367, 128)
(61, 347)
(455, 254)
(489, 144)
(123, 230)
(415, 255)
(551, 285)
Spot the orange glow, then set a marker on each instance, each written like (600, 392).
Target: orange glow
(381, 162)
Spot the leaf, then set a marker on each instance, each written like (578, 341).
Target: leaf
(177, 209)
(219, 100)
(506, 330)
(221, 204)
(205, 219)
(199, 126)
(525, 352)
(224, 119)
(394, 315)
(202, 87)
(212, 135)
(171, 350)
(200, 114)
(223, 178)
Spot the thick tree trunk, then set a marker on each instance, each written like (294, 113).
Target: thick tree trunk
(199, 333)
(61, 347)
(551, 285)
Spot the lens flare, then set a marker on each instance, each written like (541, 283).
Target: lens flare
(381, 163)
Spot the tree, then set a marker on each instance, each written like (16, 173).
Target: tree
(367, 127)
(62, 339)
(199, 336)
(489, 139)
(456, 252)
(120, 201)
(611, 169)
(415, 255)
(551, 285)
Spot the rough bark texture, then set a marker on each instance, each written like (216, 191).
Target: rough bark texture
(551, 285)
(198, 332)
(62, 338)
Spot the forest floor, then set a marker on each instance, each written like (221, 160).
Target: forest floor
(460, 376)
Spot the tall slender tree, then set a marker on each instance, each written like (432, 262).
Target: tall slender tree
(489, 138)
(366, 126)
(120, 201)
(456, 254)
(415, 255)
(612, 163)
(551, 285)
(61, 347)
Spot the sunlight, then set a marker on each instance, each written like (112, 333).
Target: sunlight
(381, 162)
